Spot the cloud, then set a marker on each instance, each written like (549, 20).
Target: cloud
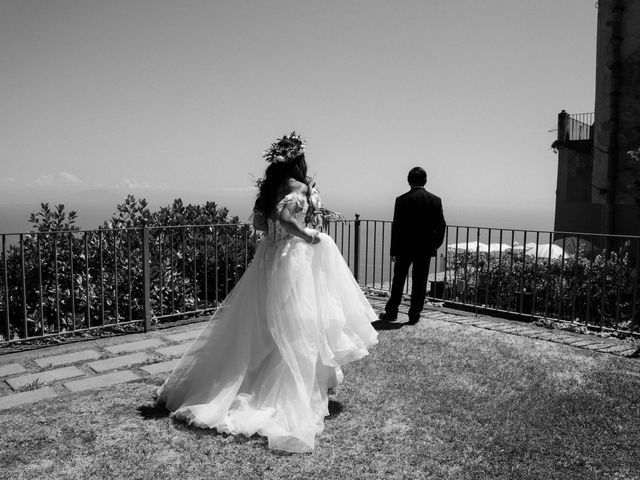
(249, 188)
(132, 184)
(70, 178)
(44, 180)
(7, 181)
(59, 179)
(67, 179)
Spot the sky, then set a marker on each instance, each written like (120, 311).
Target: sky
(164, 99)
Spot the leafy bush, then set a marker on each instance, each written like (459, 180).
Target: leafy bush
(596, 289)
(60, 279)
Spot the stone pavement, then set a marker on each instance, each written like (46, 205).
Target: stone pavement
(35, 375)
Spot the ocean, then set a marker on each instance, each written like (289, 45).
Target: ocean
(14, 216)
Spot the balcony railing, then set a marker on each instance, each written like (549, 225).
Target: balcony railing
(55, 283)
(575, 126)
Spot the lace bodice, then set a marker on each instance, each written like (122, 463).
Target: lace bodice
(298, 206)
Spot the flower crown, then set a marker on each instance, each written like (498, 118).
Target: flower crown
(285, 149)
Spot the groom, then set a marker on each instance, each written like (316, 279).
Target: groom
(417, 231)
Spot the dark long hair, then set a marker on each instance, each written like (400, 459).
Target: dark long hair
(274, 179)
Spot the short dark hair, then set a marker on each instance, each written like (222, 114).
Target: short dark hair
(417, 177)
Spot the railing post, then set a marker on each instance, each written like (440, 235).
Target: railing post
(146, 279)
(356, 247)
(563, 124)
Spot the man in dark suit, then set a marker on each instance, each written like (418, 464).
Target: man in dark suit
(417, 231)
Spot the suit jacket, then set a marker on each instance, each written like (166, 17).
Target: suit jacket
(418, 224)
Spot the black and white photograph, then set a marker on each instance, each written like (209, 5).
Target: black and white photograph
(320, 239)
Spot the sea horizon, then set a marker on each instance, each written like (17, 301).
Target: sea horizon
(93, 212)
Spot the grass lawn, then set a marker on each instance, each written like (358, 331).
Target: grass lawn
(438, 400)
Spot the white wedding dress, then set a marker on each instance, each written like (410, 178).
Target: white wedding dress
(266, 358)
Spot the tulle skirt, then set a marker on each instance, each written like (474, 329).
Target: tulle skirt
(266, 358)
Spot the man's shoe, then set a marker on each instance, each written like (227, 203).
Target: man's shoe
(413, 319)
(387, 317)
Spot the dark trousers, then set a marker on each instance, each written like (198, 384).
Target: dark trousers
(418, 284)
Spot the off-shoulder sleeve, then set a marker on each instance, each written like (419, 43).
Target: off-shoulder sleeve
(294, 201)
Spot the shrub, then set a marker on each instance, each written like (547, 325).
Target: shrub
(60, 279)
(596, 289)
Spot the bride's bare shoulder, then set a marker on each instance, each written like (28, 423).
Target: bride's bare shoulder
(293, 185)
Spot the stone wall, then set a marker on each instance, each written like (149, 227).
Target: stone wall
(575, 211)
(628, 111)
(575, 166)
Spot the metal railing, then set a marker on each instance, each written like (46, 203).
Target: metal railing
(575, 126)
(53, 283)
(193, 268)
(588, 279)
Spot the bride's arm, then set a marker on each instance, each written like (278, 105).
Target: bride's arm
(291, 225)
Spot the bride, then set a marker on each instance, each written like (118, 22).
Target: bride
(264, 362)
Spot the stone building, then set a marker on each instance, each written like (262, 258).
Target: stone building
(596, 175)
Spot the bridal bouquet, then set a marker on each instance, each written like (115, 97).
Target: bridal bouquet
(318, 216)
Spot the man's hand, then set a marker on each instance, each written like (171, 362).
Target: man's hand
(393, 258)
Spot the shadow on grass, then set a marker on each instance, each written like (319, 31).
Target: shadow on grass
(382, 325)
(335, 409)
(256, 440)
(158, 410)
(153, 412)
